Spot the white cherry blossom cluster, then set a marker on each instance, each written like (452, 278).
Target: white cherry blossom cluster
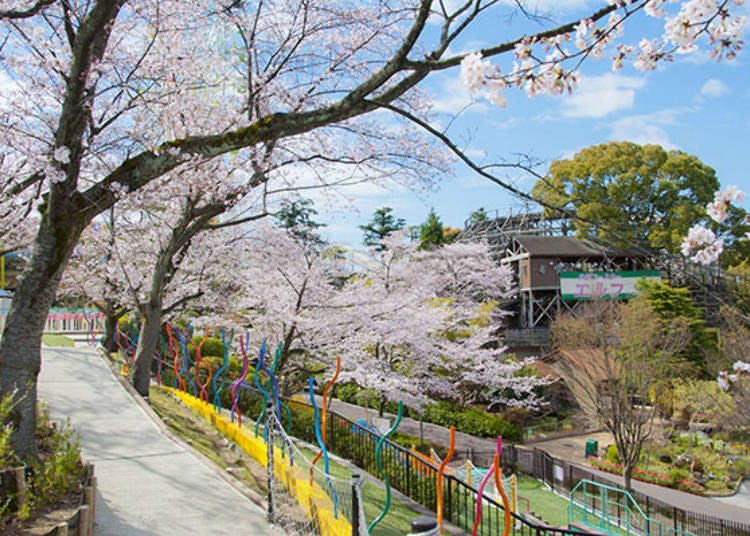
(718, 209)
(480, 75)
(547, 66)
(701, 244)
(740, 370)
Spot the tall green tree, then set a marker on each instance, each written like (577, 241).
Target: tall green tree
(478, 216)
(626, 193)
(382, 224)
(297, 218)
(431, 232)
(670, 304)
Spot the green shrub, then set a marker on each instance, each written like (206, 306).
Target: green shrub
(347, 392)
(612, 455)
(212, 346)
(472, 421)
(715, 485)
(60, 467)
(676, 474)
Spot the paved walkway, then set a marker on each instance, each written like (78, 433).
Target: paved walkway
(148, 485)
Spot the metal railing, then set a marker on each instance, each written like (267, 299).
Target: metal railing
(563, 476)
(414, 477)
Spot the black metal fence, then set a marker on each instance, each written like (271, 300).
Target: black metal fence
(416, 479)
(413, 477)
(564, 476)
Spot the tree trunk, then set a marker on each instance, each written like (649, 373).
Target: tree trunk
(20, 354)
(627, 475)
(110, 327)
(381, 406)
(148, 341)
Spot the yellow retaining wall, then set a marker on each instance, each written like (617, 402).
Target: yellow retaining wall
(311, 497)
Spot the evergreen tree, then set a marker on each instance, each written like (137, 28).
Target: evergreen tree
(431, 232)
(383, 223)
(478, 216)
(296, 218)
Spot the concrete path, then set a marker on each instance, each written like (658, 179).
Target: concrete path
(148, 485)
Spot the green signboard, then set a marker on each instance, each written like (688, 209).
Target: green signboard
(612, 285)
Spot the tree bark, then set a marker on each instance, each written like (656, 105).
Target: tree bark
(110, 326)
(148, 340)
(20, 354)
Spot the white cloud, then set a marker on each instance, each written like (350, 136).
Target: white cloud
(453, 97)
(597, 96)
(714, 88)
(645, 129)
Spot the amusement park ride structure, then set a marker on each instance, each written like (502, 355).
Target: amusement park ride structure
(543, 252)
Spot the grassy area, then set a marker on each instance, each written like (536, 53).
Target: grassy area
(58, 340)
(206, 440)
(548, 506)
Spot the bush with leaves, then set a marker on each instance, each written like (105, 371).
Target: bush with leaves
(56, 472)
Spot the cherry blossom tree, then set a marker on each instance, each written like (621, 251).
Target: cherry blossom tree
(111, 95)
(283, 293)
(417, 323)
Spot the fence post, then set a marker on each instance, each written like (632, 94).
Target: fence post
(355, 480)
(269, 452)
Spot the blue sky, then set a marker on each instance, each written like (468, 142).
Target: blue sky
(694, 104)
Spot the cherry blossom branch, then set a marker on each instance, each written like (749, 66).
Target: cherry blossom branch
(26, 13)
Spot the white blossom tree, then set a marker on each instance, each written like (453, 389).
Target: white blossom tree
(111, 95)
(284, 288)
(412, 324)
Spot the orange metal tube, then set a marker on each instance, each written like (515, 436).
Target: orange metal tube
(500, 489)
(439, 483)
(324, 414)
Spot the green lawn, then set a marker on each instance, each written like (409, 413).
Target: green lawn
(58, 340)
(548, 506)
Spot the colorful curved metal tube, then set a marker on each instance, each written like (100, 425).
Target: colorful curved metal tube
(273, 368)
(324, 415)
(383, 475)
(277, 408)
(500, 488)
(125, 343)
(480, 499)
(225, 346)
(439, 483)
(160, 358)
(177, 382)
(266, 396)
(244, 346)
(184, 337)
(274, 386)
(200, 363)
(92, 322)
(323, 449)
(120, 348)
